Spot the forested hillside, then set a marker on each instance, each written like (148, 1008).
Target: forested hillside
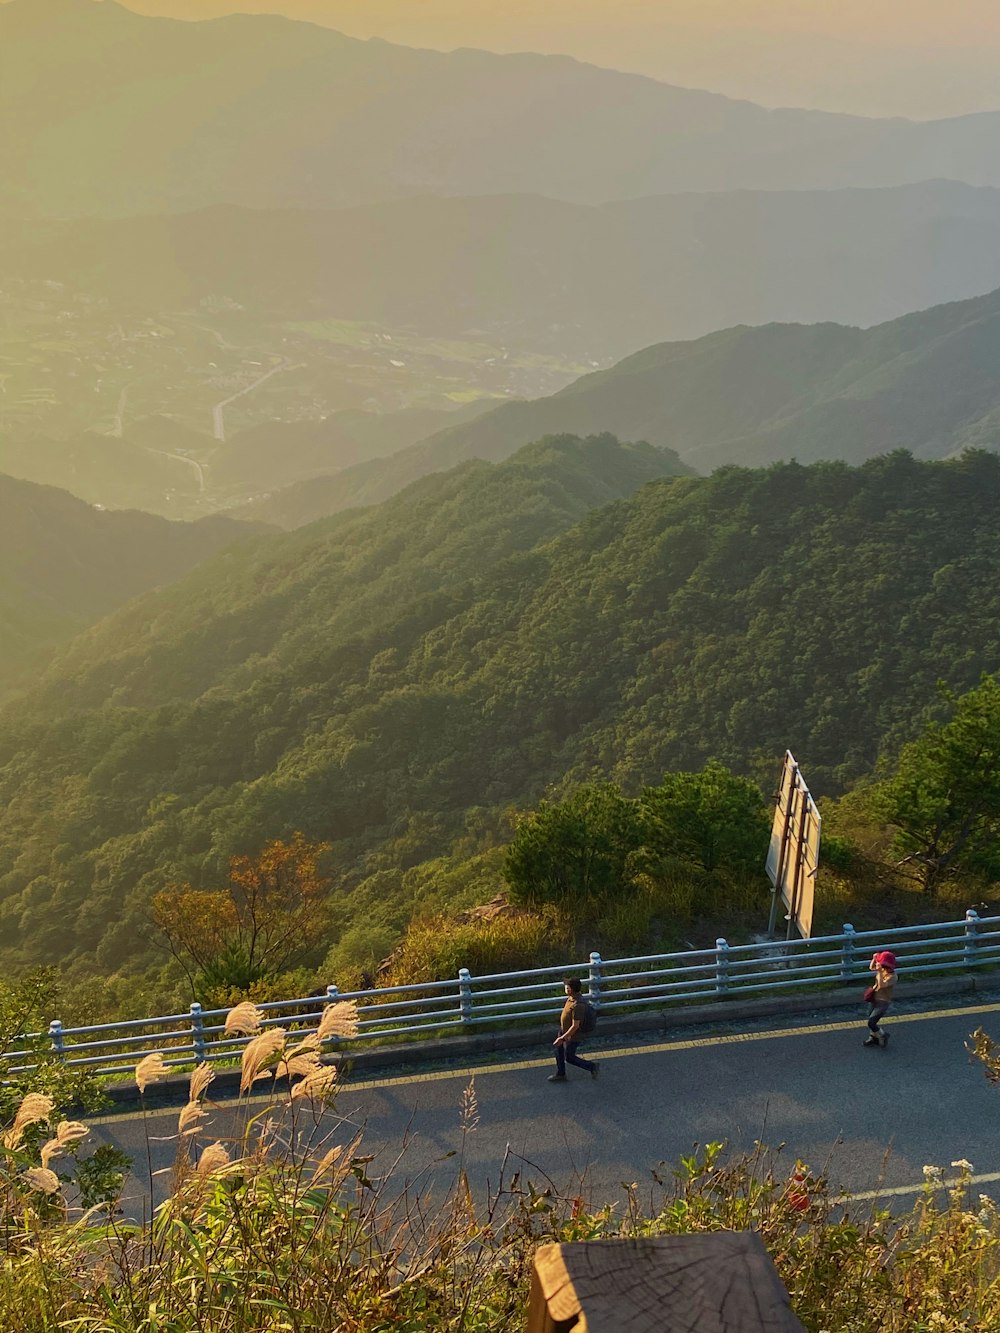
(926, 382)
(64, 564)
(375, 678)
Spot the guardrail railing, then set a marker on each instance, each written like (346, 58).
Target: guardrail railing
(467, 1003)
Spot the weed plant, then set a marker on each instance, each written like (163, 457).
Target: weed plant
(290, 1227)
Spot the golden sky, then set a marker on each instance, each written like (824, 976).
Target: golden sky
(876, 57)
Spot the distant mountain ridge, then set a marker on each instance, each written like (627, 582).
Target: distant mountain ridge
(595, 281)
(927, 382)
(103, 111)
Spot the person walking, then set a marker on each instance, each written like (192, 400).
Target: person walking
(573, 1027)
(880, 995)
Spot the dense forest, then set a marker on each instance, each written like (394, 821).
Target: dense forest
(392, 681)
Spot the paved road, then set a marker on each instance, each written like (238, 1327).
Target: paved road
(872, 1118)
(219, 410)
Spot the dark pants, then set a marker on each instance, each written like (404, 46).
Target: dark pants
(874, 1014)
(566, 1055)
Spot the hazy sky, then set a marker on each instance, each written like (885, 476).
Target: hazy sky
(877, 57)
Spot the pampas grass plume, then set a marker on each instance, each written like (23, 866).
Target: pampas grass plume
(150, 1070)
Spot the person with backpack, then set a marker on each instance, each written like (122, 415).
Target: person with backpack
(880, 995)
(577, 1020)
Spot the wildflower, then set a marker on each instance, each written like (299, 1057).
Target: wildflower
(150, 1070)
(245, 1019)
(42, 1179)
(318, 1085)
(36, 1106)
(69, 1131)
(201, 1077)
(302, 1059)
(190, 1118)
(962, 1164)
(298, 1066)
(214, 1158)
(934, 1174)
(339, 1020)
(327, 1161)
(258, 1054)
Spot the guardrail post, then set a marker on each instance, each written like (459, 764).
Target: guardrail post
(56, 1038)
(465, 994)
(971, 942)
(197, 1032)
(594, 980)
(721, 967)
(847, 952)
(332, 994)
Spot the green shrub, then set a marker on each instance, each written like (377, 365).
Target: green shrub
(435, 948)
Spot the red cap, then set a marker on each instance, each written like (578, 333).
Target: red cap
(886, 959)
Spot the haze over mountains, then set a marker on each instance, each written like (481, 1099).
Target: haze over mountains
(64, 565)
(256, 266)
(106, 112)
(380, 233)
(594, 282)
(927, 383)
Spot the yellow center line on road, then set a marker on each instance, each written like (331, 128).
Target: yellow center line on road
(692, 1044)
(621, 1053)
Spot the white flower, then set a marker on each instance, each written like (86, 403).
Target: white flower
(935, 1173)
(985, 1201)
(962, 1164)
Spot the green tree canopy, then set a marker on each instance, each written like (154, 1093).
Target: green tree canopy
(944, 798)
(712, 819)
(579, 850)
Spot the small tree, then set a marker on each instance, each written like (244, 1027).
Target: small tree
(712, 819)
(944, 799)
(27, 1005)
(266, 920)
(577, 851)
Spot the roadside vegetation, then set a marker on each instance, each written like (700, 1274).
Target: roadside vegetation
(294, 1226)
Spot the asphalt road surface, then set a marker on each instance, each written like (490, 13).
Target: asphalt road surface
(871, 1118)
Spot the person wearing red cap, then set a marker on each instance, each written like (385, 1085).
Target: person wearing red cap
(884, 966)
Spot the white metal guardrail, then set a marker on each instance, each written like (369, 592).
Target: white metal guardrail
(466, 1003)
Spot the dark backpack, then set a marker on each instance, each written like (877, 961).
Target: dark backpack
(589, 1023)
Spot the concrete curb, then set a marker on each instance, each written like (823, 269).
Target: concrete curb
(464, 1050)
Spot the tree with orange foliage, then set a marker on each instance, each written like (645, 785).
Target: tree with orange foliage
(266, 919)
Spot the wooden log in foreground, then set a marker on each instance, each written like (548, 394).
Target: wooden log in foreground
(722, 1282)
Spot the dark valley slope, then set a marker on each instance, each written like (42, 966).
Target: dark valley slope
(104, 111)
(64, 565)
(373, 678)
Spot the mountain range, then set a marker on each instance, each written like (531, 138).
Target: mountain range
(926, 382)
(386, 678)
(592, 281)
(104, 111)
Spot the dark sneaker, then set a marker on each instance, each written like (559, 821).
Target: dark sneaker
(870, 1041)
(557, 1078)
(594, 1069)
(883, 1038)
